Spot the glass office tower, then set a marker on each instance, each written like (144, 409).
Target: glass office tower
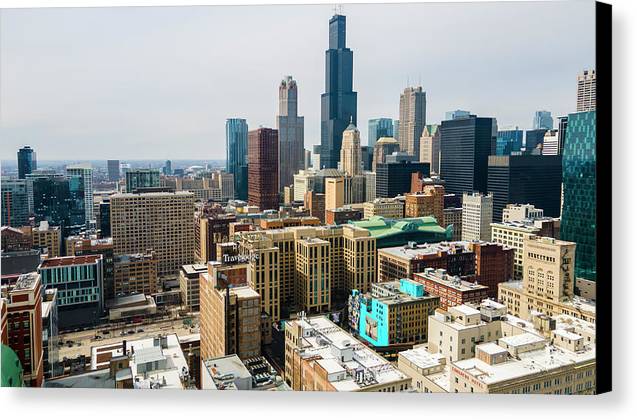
(580, 191)
(237, 154)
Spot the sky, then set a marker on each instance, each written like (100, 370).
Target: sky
(159, 82)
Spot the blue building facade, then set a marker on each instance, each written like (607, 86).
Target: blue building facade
(237, 154)
(580, 191)
(59, 200)
(338, 103)
(377, 128)
(508, 141)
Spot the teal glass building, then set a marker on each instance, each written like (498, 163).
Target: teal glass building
(580, 191)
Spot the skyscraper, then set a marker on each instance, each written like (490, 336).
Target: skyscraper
(168, 168)
(351, 151)
(15, 202)
(85, 172)
(586, 91)
(263, 168)
(465, 146)
(525, 179)
(394, 177)
(27, 161)
(161, 221)
(377, 128)
(580, 191)
(477, 214)
(338, 103)
(291, 139)
(533, 139)
(237, 153)
(413, 108)
(113, 170)
(543, 119)
(59, 200)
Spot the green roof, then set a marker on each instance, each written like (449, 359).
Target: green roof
(379, 227)
(11, 375)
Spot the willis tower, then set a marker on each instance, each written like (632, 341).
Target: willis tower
(338, 103)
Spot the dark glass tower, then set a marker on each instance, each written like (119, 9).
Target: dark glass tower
(237, 154)
(465, 146)
(338, 103)
(579, 213)
(59, 200)
(27, 162)
(525, 179)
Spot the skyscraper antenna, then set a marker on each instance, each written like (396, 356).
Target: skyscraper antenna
(338, 9)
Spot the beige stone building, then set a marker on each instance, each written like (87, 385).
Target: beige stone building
(313, 275)
(386, 207)
(135, 273)
(513, 234)
(157, 221)
(351, 151)
(189, 285)
(48, 239)
(334, 193)
(320, 356)
(548, 284)
(230, 317)
(453, 216)
(429, 202)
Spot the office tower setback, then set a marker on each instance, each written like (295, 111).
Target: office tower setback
(377, 128)
(237, 154)
(338, 103)
(477, 214)
(112, 167)
(430, 147)
(23, 326)
(85, 172)
(580, 191)
(384, 147)
(465, 146)
(27, 162)
(263, 158)
(542, 120)
(15, 202)
(586, 91)
(351, 162)
(413, 109)
(394, 177)
(532, 179)
(509, 141)
(290, 127)
(158, 221)
(139, 179)
(534, 140)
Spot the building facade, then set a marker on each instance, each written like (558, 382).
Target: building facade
(263, 169)
(290, 127)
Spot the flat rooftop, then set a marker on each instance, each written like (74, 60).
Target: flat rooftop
(420, 357)
(68, 261)
(326, 340)
(424, 250)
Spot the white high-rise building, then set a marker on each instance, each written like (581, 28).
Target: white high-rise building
(291, 136)
(430, 148)
(477, 215)
(413, 107)
(586, 91)
(84, 170)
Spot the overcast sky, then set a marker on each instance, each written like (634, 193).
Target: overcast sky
(158, 83)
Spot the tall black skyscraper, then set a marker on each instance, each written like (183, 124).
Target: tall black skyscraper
(465, 146)
(525, 179)
(338, 103)
(27, 162)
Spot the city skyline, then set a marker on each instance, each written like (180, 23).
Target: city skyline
(188, 112)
